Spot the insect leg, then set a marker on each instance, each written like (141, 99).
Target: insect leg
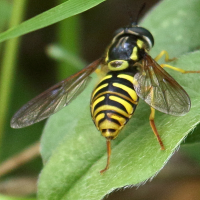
(153, 126)
(108, 143)
(162, 53)
(178, 69)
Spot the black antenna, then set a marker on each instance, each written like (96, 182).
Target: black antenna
(138, 15)
(130, 12)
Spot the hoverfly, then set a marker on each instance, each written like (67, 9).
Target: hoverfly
(132, 73)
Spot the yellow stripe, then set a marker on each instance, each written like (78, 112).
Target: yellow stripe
(130, 91)
(127, 77)
(115, 93)
(134, 54)
(98, 118)
(106, 124)
(120, 119)
(127, 105)
(106, 77)
(99, 88)
(97, 101)
(108, 107)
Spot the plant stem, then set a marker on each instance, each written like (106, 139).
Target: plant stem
(8, 65)
(68, 37)
(20, 159)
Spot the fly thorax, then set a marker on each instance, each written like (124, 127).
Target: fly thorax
(125, 50)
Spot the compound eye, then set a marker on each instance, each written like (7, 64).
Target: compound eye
(120, 30)
(143, 33)
(116, 65)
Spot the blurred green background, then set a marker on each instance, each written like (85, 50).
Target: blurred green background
(40, 65)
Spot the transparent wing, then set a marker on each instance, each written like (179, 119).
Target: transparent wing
(158, 89)
(53, 99)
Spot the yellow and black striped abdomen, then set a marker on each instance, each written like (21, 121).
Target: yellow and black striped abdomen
(113, 102)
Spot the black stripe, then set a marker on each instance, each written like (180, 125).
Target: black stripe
(112, 88)
(109, 129)
(109, 119)
(115, 79)
(110, 111)
(107, 101)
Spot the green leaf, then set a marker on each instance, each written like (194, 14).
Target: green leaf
(56, 14)
(76, 152)
(136, 156)
(175, 30)
(2, 197)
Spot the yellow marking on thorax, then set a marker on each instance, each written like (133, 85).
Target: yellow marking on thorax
(127, 105)
(130, 91)
(122, 64)
(140, 44)
(108, 107)
(127, 77)
(107, 51)
(96, 102)
(99, 88)
(120, 119)
(134, 54)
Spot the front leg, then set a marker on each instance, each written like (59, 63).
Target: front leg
(162, 53)
(167, 59)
